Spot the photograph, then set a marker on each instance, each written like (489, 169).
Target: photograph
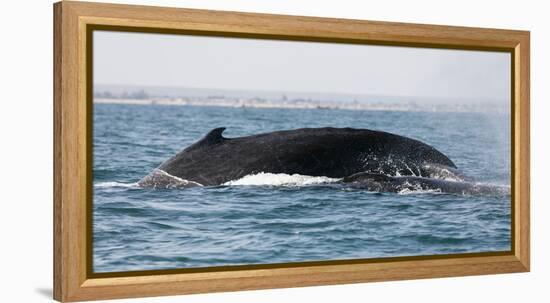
(220, 151)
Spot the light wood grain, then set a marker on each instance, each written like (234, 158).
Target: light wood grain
(57, 159)
(522, 147)
(72, 181)
(69, 159)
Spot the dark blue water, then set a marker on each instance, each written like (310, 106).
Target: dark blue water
(142, 229)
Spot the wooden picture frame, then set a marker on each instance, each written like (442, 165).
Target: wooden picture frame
(73, 21)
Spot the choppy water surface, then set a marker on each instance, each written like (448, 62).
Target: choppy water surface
(280, 218)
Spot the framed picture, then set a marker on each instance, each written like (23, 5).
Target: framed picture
(203, 151)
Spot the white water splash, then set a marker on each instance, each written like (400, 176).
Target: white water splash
(414, 191)
(281, 180)
(161, 179)
(445, 173)
(115, 184)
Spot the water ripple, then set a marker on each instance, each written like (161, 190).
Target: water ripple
(141, 229)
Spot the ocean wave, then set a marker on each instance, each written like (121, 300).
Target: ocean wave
(161, 179)
(471, 188)
(444, 173)
(497, 189)
(281, 180)
(113, 184)
(416, 191)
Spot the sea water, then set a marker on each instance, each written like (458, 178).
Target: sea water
(277, 218)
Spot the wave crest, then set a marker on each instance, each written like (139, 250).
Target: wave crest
(161, 179)
(115, 184)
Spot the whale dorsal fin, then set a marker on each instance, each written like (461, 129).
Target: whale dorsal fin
(213, 137)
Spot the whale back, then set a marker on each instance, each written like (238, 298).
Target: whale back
(330, 152)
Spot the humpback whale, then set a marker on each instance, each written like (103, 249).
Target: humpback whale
(330, 152)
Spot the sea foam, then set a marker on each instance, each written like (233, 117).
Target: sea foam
(281, 180)
(115, 184)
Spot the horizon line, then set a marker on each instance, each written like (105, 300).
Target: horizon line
(284, 92)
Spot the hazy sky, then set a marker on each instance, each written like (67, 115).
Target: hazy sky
(235, 63)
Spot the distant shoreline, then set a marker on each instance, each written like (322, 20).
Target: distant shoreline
(305, 104)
